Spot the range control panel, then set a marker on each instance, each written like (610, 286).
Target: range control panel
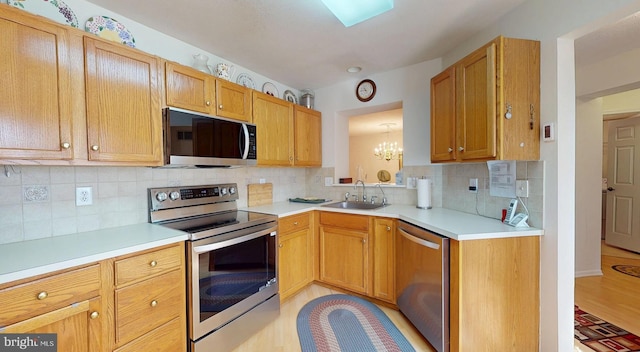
(177, 197)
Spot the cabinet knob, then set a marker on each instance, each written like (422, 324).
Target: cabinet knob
(153, 264)
(460, 149)
(66, 145)
(280, 245)
(94, 315)
(220, 106)
(208, 103)
(42, 295)
(95, 148)
(364, 241)
(388, 228)
(450, 149)
(154, 303)
(295, 223)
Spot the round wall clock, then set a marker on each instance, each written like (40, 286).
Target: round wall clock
(366, 90)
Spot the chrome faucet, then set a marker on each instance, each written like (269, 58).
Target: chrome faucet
(384, 198)
(364, 195)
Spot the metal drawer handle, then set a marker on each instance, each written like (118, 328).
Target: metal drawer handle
(42, 295)
(154, 303)
(419, 241)
(153, 264)
(94, 315)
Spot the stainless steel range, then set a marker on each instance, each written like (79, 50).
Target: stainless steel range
(232, 287)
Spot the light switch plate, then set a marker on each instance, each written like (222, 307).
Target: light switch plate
(328, 181)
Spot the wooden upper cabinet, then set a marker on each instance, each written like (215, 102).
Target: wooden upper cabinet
(486, 106)
(124, 116)
(443, 116)
(273, 118)
(35, 94)
(307, 136)
(190, 89)
(233, 100)
(476, 105)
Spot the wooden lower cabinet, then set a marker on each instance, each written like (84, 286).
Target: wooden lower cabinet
(494, 294)
(67, 304)
(150, 300)
(295, 254)
(357, 253)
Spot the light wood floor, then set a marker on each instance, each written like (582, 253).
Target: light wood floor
(282, 335)
(613, 297)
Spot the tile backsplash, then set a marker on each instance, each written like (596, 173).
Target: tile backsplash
(39, 201)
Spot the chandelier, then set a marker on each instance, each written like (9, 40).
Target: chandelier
(388, 150)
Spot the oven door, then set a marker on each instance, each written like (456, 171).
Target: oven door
(230, 274)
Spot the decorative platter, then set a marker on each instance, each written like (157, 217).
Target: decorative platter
(108, 28)
(52, 9)
(384, 176)
(270, 89)
(290, 97)
(245, 80)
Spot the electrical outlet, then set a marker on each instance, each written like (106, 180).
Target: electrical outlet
(84, 196)
(473, 185)
(522, 188)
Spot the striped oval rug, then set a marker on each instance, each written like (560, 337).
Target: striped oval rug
(344, 323)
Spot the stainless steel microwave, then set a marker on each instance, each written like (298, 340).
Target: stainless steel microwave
(198, 140)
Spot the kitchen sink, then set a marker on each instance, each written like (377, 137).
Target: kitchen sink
(355, 205)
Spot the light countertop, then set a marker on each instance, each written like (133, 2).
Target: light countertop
(446, 222)
(29, 258)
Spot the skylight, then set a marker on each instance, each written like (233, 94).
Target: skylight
(351, 12)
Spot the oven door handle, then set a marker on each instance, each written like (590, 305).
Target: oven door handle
(419, 241)
(231, 242)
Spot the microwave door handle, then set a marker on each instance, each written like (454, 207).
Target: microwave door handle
(244, 132)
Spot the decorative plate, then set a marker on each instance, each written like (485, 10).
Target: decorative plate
(108, 28)
(245, 80)
(384, 176)
(270, 88)
(290, 97)
(53, 9)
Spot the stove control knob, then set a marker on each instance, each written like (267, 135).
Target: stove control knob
(161, 196)
(232, 190)
(223, 191)
(175, 195)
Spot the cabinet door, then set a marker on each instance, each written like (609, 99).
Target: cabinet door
(78, 326)
(344, 258)
(294, 262)
(233, 100)
(35, 94)
(476, 105)
(188, 88)
(443, 116)
(124, 117)
(308, 137)
(384, 231)
(274, 120)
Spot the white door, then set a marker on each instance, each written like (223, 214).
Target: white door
(623, 196)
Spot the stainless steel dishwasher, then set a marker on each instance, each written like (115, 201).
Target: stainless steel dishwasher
(423, 282)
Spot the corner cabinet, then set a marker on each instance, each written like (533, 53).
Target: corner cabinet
(307, 137)
(35, 120)
(124, 116)
(295, 253)
(486, 106)
(68, 304)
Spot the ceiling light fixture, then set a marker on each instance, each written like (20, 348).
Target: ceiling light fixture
(388, 150)
(355, 11)
(354, 69)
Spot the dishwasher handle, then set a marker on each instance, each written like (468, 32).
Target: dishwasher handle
(419, 241)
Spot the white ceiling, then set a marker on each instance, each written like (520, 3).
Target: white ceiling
(301, 44)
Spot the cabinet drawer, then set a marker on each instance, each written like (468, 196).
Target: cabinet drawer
(293, 223)
(348, 221)
(148, 304)
(148, 264)
(170, 337)
(36, 297)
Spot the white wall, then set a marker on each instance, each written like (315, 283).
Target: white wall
(588, 186)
